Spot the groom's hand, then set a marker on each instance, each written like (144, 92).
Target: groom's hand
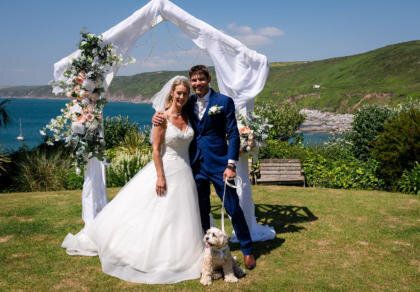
(229, 174)
(158, 119)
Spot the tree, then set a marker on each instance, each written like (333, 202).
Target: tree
(4, 115)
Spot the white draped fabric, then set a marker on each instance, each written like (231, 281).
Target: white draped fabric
(94, 196)
(241, 72)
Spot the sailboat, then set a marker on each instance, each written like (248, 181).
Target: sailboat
(20, 137)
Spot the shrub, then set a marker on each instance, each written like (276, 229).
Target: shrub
(409, 182)
(346, 173)
(134, 140)
(116, 128)
(125, 165)
(4, 158)
(369, 122)
(332, 165)
(281, 149)
(285, 119)
(131, 155)
(398, 147)
(42, 170)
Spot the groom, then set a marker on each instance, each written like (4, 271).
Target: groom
(212, 115)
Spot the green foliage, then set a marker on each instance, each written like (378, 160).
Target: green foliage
(4, 158)
(115, 129)
(42, 170)
(74, 181)
(331, 166)
(285, 119)
(134, 140)
(398, 147)
(125, 165)
(410, 180)
(369, 122)
(345, 173)
(4, 115)
(345, 81)
(131, 155)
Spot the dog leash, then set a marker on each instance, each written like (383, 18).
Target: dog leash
(223, 201)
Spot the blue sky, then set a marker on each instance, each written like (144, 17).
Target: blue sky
(36, 34)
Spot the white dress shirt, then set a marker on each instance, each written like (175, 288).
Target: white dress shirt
(201, 105)
(200, 109)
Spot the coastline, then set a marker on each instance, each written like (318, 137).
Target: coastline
(135, 100)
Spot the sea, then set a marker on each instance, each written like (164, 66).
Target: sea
(34, 114)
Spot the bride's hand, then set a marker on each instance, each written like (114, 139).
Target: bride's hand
(160, 186)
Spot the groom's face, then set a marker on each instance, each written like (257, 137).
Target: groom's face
(200, 83)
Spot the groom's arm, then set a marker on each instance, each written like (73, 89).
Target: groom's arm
(232, 131)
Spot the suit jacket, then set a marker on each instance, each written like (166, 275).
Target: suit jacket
(216, 136)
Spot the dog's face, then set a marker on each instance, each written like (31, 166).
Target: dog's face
(215, 237)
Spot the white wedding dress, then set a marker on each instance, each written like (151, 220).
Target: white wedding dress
(142, 237)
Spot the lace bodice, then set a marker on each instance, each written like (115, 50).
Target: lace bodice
(176, 142)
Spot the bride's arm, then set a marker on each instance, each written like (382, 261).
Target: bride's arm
(158, 137)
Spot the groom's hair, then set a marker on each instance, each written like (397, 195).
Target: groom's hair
(199, 69)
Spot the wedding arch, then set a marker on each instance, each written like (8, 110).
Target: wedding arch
(241, 74)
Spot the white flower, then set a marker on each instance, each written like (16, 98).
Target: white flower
(78, 171)
(49, 143)
(77, 128)
(57, 90)
(89, 84)
(214, 110)
(85, 101)
(76, 109)
(42, 132)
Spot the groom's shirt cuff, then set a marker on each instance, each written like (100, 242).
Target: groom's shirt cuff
(232, 161)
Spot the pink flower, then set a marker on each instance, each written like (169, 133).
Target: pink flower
(69, 94)
(245, 130)
(91, 108)
(77, 89)
(81, 77)
(81, 119)
(90, 117)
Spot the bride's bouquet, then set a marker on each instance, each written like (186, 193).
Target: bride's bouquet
(253, 131)
(81, 123)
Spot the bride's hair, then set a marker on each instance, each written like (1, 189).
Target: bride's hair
(177, 82)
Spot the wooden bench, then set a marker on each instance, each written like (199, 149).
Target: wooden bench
(278, 171)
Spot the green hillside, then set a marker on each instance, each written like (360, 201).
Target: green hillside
(387, 75)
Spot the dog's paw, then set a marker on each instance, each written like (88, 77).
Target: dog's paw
(206, 281)
(217, 275)
(239, 272)
(231, 279)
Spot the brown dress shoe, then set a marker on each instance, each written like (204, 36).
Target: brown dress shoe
(249, 261)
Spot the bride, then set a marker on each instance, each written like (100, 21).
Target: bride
(151, 231)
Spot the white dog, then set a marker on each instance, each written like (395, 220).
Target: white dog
(217, 255)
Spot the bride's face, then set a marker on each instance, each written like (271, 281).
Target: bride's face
(180, 95)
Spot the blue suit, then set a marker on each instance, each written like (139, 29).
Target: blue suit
(216, 141)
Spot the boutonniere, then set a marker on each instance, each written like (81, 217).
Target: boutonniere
(214, 110)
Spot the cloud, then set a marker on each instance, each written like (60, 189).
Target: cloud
(270, 31)
(255, 38)
(240, 29)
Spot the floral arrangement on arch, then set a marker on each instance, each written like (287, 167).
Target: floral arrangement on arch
(253, 131)
(81, 123)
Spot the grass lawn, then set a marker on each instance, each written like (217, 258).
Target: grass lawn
(326, 240)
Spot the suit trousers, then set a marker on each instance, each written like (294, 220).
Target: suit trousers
(203, 178)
